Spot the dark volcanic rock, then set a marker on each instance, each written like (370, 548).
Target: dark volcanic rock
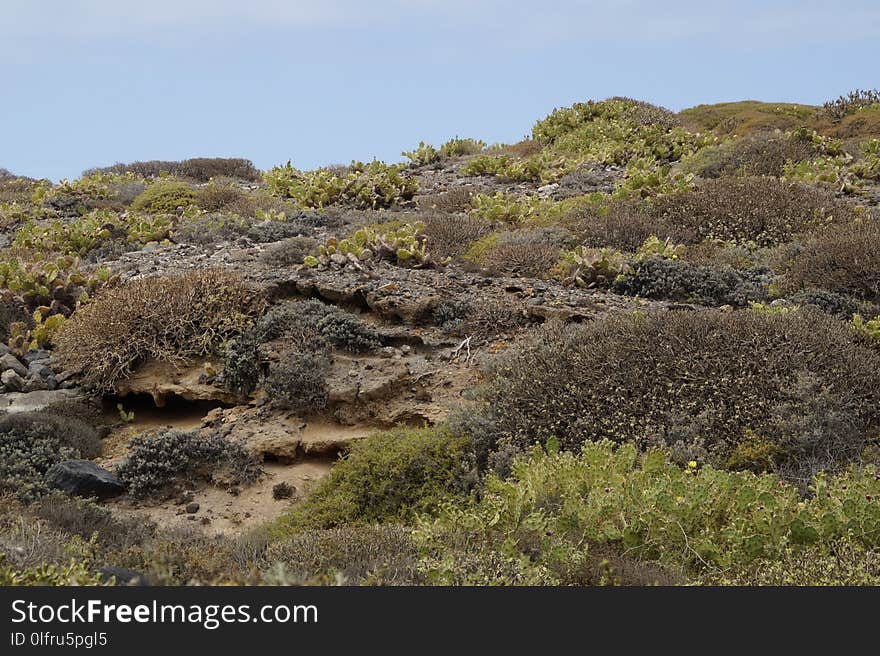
(83, 479)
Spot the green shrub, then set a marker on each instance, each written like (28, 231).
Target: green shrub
(169, 318)
(845, 259)
(155, 461)
(700, 382)
(352, 555)
(555, 509)
(506, 208)
(387, 477)
(842, 562)
(760, 210)
(164, 197)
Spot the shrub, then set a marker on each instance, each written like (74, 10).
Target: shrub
(352, 555)
(838, 305)
(289, 252)
(312, 319)
(298, 381)
(699, 382)
(210, 228)
(845, 260)
(215, 196)
(269, 231)
(241, 364)
(200, 169)
(762, 210)
(556, 509)
(164, 197)
(676, 280)
(450, 235)
(761, 153)
(30, 443)
(842, 562)
(528, 252)
(591, 267)
(454, 201)
(387, 477)
(623, 224)
(155, 461)
(456, 147)
(170, 318)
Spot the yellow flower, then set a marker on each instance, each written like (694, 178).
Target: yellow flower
(692, 464)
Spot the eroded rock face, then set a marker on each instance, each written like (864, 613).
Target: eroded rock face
(284, 438)
(164, 380)
(34, 401)
(83, 478)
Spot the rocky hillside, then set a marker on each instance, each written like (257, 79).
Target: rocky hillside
(638, 347)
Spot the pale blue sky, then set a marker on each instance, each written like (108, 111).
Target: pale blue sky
(91, 82)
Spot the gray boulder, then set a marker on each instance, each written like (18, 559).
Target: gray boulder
(9, 361)
(82, 478)
(12, 382)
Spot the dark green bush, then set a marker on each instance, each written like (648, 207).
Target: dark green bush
(155, 461)
(387, 477)
(315, 319)
(677, 280)
(722, 387)
(298, 381)
(241, 364)
(30, 443)
(838, 305)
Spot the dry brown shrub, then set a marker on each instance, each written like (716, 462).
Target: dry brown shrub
(170, 318)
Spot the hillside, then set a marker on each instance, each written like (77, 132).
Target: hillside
(638, 347)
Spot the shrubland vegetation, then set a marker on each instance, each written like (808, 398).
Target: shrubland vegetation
(729, 435)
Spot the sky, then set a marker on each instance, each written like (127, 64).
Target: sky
(91, 82)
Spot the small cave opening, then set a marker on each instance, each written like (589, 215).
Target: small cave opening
(176, 411)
